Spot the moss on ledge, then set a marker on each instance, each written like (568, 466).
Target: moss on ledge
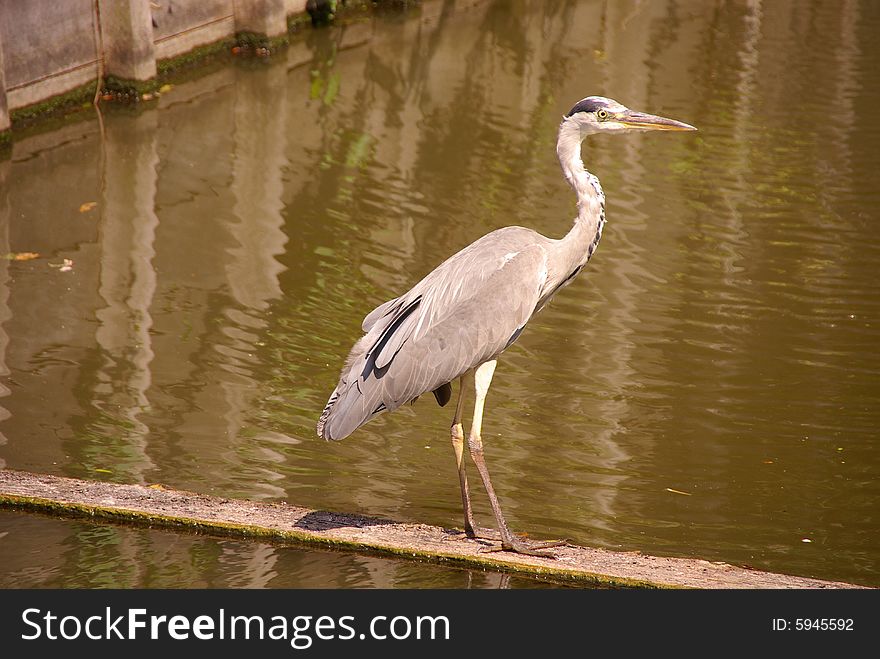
(72, 101)
(198, 56)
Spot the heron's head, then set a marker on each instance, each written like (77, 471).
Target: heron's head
(597, 114)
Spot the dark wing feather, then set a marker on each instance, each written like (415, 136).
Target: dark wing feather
(443, 393)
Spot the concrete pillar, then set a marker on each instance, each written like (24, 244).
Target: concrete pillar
(263, 17)
(127, 30)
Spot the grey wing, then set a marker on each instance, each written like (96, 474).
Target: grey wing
(458, 317)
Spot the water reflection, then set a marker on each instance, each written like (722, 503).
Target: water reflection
(81, 555)
(723, 342)
(127, 284)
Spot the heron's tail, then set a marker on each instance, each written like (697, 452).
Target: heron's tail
(325, 415)
(350, 406)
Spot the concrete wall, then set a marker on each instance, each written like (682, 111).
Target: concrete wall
(49, 48)
(181, 25)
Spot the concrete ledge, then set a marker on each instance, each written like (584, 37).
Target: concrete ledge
(157, 506)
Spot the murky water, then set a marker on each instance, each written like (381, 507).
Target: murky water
(83, 555)
(709, 387)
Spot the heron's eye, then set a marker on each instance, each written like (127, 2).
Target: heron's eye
(602, 114)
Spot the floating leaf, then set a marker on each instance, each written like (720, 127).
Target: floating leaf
(103, 471)
(21, 256)
(65, 266)
(86, 207)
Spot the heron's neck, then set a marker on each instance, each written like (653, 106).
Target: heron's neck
(587, 229)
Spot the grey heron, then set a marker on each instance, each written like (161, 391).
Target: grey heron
(461, 316)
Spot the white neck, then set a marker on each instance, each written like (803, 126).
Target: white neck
(590, 197)
(570, 253)
(578, 245)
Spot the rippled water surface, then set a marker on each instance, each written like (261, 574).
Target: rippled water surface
(82, 555)
(708, 387)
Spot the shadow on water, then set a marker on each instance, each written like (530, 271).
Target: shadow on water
(708, 387)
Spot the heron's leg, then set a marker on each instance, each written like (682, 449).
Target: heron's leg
(482, 380)
(470, 527)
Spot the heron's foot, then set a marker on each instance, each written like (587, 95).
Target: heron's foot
(521, 547)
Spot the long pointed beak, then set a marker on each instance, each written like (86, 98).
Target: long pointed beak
(651, 122)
